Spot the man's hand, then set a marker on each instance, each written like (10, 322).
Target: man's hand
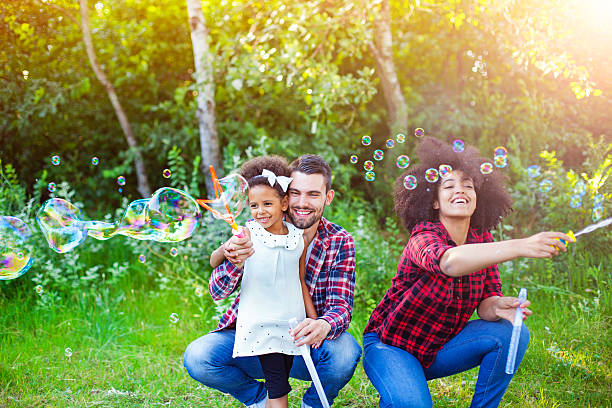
(237, 250)
(311, 332)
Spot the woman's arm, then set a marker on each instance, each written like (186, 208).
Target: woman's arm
(309, 306)
(468, 258)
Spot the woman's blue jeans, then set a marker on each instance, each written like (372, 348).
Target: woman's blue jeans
(401, 380)
(209, 361)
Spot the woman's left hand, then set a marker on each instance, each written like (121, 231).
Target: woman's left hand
(505, 308)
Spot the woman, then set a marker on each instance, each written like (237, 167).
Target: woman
(421, 329)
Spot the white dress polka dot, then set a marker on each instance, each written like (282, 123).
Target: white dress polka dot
(270, 293)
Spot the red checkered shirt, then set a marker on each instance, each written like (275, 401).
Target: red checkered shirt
(330, 277)
(424, 308)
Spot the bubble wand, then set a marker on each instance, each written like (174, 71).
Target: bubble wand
(516, 332)
(588, 229)
(228, 217)
(305, 350)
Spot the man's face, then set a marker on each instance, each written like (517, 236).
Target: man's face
(307, 199)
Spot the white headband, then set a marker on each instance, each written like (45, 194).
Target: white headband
(282, 181)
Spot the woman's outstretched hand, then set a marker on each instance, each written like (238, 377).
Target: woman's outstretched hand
(543, 244)
(505, 308)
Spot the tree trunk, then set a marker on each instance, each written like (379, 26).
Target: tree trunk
(141, 173)
(209, 141)
(382, 50)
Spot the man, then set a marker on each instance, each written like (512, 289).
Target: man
(330, 276)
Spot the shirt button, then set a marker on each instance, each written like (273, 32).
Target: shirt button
(457, 314)
(457, 297)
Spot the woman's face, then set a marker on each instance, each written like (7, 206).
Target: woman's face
(456, 196)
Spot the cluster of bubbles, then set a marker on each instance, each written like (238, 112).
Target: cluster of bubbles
(500, 157)
(597, 211)
(402, 160)
(544, 186)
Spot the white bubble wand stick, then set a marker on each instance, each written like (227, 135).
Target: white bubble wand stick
(305, 350)
(516, 332)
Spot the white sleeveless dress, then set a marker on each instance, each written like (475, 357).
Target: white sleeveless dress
(270, 293)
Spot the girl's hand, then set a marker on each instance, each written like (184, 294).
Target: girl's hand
(505, 308)
(543, 244)
(237, 250)
(310, 331)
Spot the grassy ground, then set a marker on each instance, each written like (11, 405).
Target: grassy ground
(127, 353)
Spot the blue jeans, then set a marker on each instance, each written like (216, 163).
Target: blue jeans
(209, 361)
(401, 380)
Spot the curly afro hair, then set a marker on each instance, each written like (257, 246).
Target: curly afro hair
(252, 169)
(414, 206)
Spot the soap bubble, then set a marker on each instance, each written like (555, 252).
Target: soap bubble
(418, 132)
(121, 180)
(370, 176)
(598, 199)
(390, 143)
(378, 155)
(458, 145)
(445, 170)
(580, 188)
(199, 292)
(486, 168)
(39, 289)
(410, 182)
(431, 175)
(354, 159)
(174, 318)
(366, 140)
(173, 251)
(55, 160)
(500, 161)
(533, 171)
(174, 214)
(403, 161)
(52, 187)
(68, 352)
(597, 213)
(500, 151)
(545, 185)
(400, 137)
(575, 201)
(142, 258)
(167, 173)
(16, 253)
(62, 224)
(368, 165)
(95, 161)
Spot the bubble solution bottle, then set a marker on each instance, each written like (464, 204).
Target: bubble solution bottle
(516, 332)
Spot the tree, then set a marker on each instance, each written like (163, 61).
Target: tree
(209, 142)
(141, 173)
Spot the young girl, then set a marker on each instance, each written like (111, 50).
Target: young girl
(273, 289)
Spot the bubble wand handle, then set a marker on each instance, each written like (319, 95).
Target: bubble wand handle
(516, 332)
(305, 350)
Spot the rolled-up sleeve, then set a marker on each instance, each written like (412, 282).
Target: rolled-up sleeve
(224, 280)
(341, 289)
(425, 248)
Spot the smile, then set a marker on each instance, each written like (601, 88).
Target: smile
(459, 200)
(302, 213)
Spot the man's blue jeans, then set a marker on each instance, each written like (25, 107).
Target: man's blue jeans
(209, 361)
(401, 380)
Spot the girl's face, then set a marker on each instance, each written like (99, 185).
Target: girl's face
(456, 196)
(267, 207)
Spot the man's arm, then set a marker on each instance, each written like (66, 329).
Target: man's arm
(340, 294)
(224, 279)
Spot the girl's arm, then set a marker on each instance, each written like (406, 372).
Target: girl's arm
(219, 254)
(468, 258)
(310, 309)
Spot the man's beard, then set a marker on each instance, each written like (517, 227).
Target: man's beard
(305, 223)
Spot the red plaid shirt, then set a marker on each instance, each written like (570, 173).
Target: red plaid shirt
(330, 277)
(424, 308)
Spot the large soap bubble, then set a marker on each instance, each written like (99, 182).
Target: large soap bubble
(16, 255)
(231, 198)
(170, 215)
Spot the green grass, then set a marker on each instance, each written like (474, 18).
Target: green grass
(126, 353)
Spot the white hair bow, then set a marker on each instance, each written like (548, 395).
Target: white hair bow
(282, 181)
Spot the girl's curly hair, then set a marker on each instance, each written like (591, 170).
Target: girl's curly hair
(414, 206)
(251, 171)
